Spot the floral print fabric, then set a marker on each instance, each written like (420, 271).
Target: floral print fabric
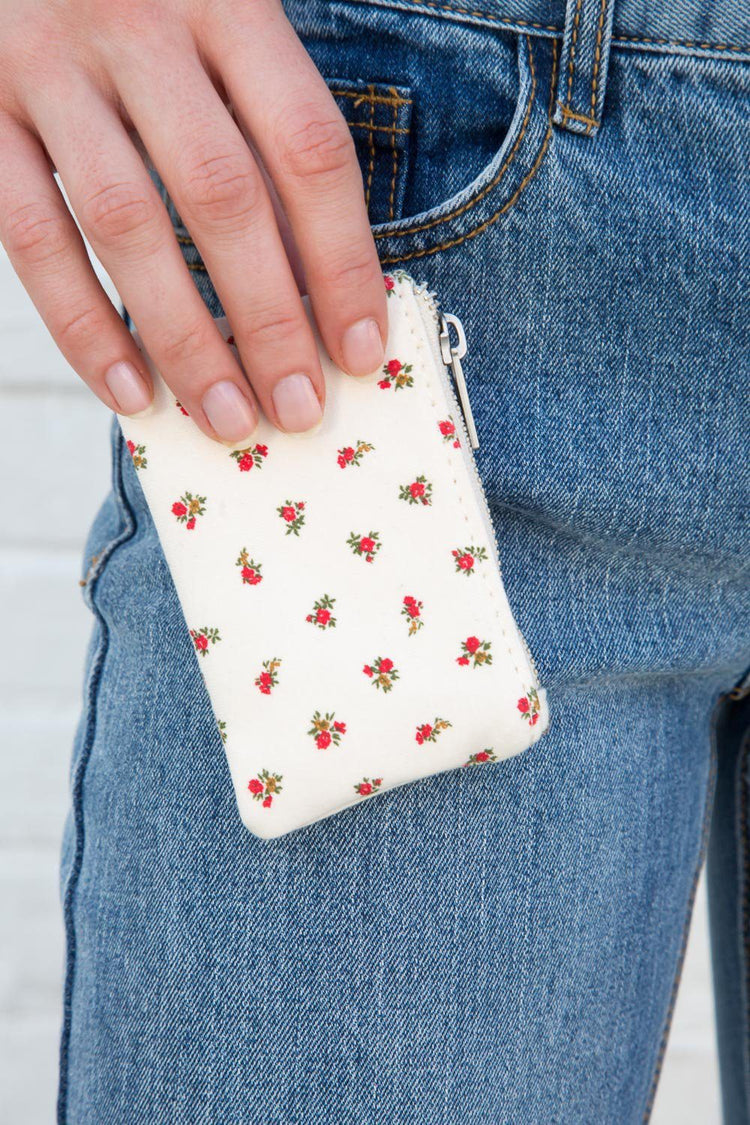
(324, 587)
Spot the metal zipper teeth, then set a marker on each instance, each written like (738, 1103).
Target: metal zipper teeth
(429, 309)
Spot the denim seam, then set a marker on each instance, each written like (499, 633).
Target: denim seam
(552, 29)
(708, 804)
(665, 560)
(371, 145)
(392, 197)
(744, 903)
(92, 695)
(646, 676)
(597, 62)
(470, 203)
(393, 98)
(509, 203)
(573, 42)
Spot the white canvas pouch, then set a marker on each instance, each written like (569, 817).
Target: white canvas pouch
(342, 588)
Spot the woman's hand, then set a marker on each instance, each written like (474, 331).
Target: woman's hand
(78, 81)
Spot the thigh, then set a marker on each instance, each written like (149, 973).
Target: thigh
(494, 945)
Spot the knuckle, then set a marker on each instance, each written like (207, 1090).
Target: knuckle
(221, 187)
(76, 330)
(119, 212)
(269, 327)
(185, 345)
(35, 233)
(315, 146)
(354, 274)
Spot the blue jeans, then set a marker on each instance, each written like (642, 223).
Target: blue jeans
(500, 945)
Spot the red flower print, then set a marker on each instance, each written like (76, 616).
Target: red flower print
(250, 457)
(428, 732)
(475, 652)
(529, 706)
(418, 492)
(250, 570)
(321, 614)
(181, 408)
(352, 455)
(325, 730)
(187, 509)
(382, 673)
(389, 283)
(412, 611)
(266, 680)
(138, 453)
(230, 341)
(480, 757)
(204, 637)
(292, 515)
(397, 375)
(448, 431)
(366, 546)
(367, 786)
(466, 558)
(265, 787)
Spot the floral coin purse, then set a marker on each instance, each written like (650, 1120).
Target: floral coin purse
(342, 588)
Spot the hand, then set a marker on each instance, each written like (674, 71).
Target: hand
(82, 84)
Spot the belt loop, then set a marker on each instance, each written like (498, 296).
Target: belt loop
(583, 65)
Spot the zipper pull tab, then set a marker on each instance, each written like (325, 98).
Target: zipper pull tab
(452, 356)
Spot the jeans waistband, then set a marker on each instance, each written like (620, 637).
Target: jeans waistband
(710, 25)
(590, 28)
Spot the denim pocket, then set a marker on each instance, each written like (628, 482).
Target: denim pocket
(479, 122)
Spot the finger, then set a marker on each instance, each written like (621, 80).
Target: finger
(49, 256)
(220, 194)
(308, 151)
(126, 223)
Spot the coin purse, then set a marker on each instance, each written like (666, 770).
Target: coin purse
(341, 589)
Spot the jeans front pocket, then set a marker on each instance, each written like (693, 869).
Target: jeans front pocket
(479, 122)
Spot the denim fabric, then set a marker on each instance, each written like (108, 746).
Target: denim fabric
(499, 945)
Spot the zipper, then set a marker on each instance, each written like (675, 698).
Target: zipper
(448, 356)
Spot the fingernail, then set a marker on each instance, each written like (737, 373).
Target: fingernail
(296, 404)
(228, 411)
(129, 389)
(362, 348)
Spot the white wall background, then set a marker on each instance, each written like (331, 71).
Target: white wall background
(54, 465)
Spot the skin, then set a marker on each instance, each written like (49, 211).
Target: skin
(261, 166)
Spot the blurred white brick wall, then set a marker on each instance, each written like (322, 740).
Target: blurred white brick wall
(54, 460)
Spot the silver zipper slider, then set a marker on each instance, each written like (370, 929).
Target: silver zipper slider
(452, 356)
